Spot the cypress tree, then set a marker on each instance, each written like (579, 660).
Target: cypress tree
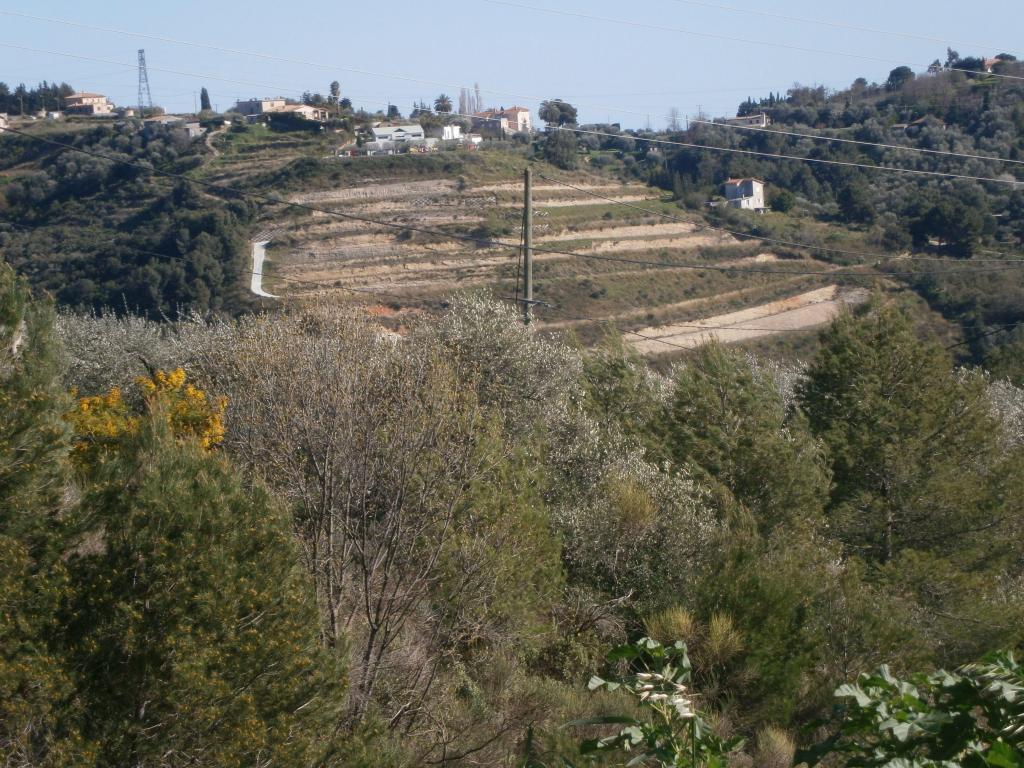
(204, 101)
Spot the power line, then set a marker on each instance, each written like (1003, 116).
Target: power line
(855, 141)
(760, 238)
(581, 130)
(662, 340)
(712, 328)
(313, 283)
(821, 161)
(827, 23)
(286, 60)
(717, 36)
(491, 242)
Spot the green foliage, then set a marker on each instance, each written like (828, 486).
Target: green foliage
(99, 233)
(28, 101)
(37, 703)
(622, 391)
(917, 457)
(731, 422)
(856, 204)
(560, 149)
(670, 731)
(898, 78)
(190, 626)
(558, 112)
(783, 201)
(973, 718)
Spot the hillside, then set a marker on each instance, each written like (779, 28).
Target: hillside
(616, 207)
(596, 210)
(285, 479)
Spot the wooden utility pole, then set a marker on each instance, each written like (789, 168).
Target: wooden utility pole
(528, 247)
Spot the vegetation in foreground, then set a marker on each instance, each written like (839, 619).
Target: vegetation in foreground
(380, 553)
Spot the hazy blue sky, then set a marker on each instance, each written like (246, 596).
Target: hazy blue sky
(518, 55)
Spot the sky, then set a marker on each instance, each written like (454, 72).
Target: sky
(632, 66)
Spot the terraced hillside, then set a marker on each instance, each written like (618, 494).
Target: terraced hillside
(592, 266)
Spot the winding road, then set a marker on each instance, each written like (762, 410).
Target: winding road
(259, 255)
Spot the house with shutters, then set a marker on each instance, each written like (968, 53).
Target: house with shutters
(747, 194)
(503, 121)
(91, 104)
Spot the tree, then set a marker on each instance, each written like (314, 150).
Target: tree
(916, 455)
(954, 223)
(204, 101)
(38, 708)
(783, 201)
(335, 91)
(855, 203)
(730, 421)
(191, 600)
(398, 480)
(443, 103)
(557, 112)
(393, 112)
(898, 78)
(560, 149)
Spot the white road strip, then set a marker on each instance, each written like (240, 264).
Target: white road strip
(259, 255)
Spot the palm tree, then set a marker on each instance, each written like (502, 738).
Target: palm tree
(443, 103)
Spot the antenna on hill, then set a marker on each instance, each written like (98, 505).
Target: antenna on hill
(144, 85)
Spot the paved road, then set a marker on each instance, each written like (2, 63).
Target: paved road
(259, 255)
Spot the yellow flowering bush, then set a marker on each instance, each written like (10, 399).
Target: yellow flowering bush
(101, 421)
(189, 412)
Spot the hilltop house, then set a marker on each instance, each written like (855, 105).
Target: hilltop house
(760, 120)
(191, 127)
(305, 111)
(92, 104)
(399, 133)
(253, 107)
(747, 194)
(503, 121)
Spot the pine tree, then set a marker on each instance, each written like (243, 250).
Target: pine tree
(192, 626)
(917, 456)
(37, 712)
(732, 423)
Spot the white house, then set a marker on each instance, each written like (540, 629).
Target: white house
(309, 113)
(745, 193)
(4, 122)
(397, 133)
(451, 133)
(760, 120)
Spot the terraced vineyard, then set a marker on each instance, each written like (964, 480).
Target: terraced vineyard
(585, 268)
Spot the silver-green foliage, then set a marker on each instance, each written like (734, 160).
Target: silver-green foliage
(668, 729)
(973, 717)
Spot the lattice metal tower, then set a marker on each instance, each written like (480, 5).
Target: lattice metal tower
(145, 97)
